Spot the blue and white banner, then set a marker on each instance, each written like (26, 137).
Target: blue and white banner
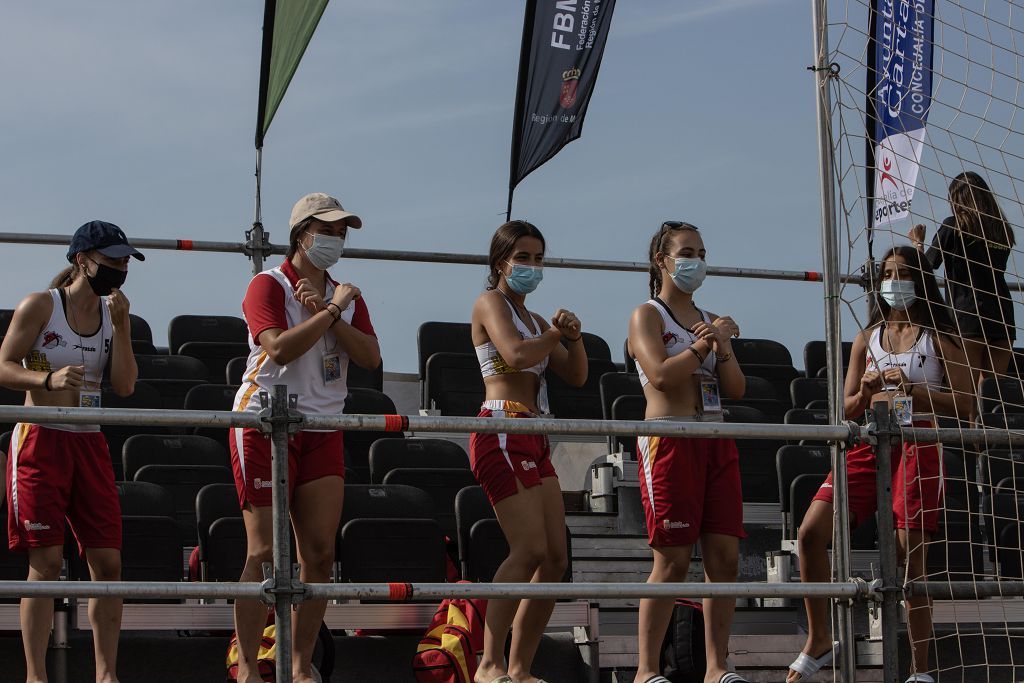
(899, 90)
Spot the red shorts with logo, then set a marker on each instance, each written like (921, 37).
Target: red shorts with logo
(498, 460)
(311, 456)
(57, 477)
(689, 487)
(916, 485)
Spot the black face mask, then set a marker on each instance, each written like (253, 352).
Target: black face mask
(106, 279)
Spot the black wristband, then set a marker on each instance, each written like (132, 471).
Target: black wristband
(574, 340)
(46, 383)
(336, 316)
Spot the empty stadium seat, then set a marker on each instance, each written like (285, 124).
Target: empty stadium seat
(171, 376)
(628, 407)
(757, 457)
(218, 397)
(779, 376)
(205, 328)
(214, 355)
(816, 357)
(141, 347)
(441, 484)
(376, 544)
(440, 337)
(235, 369)
(802, 490)
(627, 359)
(803, 416)
(452, 383)
(6, 314)
(584, 402)
(362, 401)
(140, 330)
(221, 533)
(760, 394)
(145, 397)
(793, 461)
(615, 384)
(367, 379)
(157, 449)
(1003, 394)
(594, 346)
(390, 454)
(183, 482)
(996, 465)
(804, 390)
(761, 352)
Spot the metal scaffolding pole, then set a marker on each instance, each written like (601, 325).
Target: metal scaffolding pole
(887, 448)
(833, 331)
(286, 586)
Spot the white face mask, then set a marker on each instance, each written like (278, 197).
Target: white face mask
(899, 294)
(325, 250)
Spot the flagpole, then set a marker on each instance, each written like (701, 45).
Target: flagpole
(508, 210)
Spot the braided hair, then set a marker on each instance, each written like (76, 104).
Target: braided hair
(659, 242)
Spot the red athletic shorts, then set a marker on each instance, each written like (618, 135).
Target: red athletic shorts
(499, 459)
(689, 487)
(916, 485)
(53, 476)
(311, 456)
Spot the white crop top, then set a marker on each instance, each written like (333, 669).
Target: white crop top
(491, 362)
(920, 363)
(59, 346)
(678, 338)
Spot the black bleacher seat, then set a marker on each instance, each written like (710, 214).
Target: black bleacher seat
(366, 379)
(10, 397)
(6, 314)
(761, 352)
(804, 390)
(362, 401)
(757, 457)
(222, 541)
(802, 490)
(389, 454)
(441, 337)
(144, 397)
(211, 397)
(441, 484)
(628, 407)
(157, 449)
(140, 330)
(235, 369)
(5, 442)
(214, 355)
(472, 507)
(375, 544)
(956, 550)
(803, 416)
(205, 328)
(760, 394)
(998, 467)
(584, 402)
(1000, 420)
(1002, 394)
(615, 384)
(594, 346)
(183, 482)
(793, 461)
(141, 347)
(172, 376)
(453, 384)
(627, 359)
(815, 358)
(393, 550)
(1009, 551)
(817, 405)
(779, 376)
(151, 546)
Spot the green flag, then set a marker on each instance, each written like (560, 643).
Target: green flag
(287, 27)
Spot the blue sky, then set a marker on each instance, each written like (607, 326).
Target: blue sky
(143, 114)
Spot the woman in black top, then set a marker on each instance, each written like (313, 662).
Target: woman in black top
(974, 244)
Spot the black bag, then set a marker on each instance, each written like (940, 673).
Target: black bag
(683, 657)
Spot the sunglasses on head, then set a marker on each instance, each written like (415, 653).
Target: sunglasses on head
(675, 225)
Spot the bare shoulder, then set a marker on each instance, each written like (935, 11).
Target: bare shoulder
(35, 305)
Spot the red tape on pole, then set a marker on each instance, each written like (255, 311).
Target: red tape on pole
(185, 245)
(811, 276)
(399, 592)
(396, 423)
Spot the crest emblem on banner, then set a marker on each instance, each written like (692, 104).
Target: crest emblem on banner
(570, 81)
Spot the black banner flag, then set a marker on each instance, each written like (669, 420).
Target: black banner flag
(563, 42)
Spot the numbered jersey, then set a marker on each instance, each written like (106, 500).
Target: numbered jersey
(59, 346)
(920, 363)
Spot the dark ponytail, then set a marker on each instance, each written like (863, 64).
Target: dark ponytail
(658, 243)
(65, 277)
(504, 241)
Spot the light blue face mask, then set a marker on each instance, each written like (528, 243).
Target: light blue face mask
(524, 279)
(899, 294)
(689, 274)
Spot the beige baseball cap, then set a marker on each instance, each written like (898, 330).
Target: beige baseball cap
(325, 207)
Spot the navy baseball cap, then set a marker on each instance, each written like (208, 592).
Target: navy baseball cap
(106, 238)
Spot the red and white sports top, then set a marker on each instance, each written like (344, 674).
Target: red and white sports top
(59, 346)
(677, 338)
(269, 304)
(920, 363)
